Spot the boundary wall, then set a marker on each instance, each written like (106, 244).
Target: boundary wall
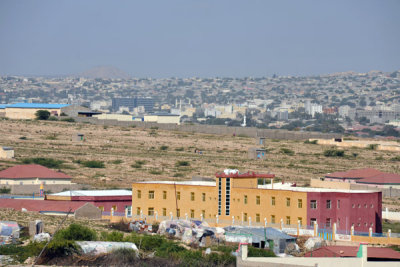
(214, 129)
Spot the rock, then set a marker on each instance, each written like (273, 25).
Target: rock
(314, 243)
(292, 249)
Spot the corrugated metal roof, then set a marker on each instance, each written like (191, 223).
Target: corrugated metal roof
(37, 105)
(92, 193)
(3, 106)
(258, 233)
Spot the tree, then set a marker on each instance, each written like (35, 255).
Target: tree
(42, 114)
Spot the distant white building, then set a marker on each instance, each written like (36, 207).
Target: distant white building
(312, 108)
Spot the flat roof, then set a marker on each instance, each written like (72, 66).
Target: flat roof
(237, 174)
(289, 186)
(202, 183)
(94, 193)
(37, 105)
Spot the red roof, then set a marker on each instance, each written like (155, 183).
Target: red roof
(354, 174)
(244, 175)
(41, 205)
(367, 176)
(351, 251)
(31, 171)
(382, 178)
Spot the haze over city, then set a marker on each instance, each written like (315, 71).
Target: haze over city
(199, 38)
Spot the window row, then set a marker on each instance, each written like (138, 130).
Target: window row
(151, 195)
(273, 201)
(314, 204)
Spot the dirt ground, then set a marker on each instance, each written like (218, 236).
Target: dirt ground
(121, 147)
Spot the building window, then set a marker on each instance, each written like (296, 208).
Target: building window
(151, 194)
(219, 195)
(227, 196)
(245, 217)
(353, 206)
(372, 206)
(245, 199)
(203, 196)
(150, 212)
(139, 194)
(287, 220)
(178, 212)
(300, 220)
(178, 195)
(272, 218)
(338, 223)
(372, 224)
(313, 221)
(365, 206)
(203, 212)
(313, 204)
(114, 207)
(128, 210)
(258, 200)
(164, 212)
(328, 223)
(101, 208)
(138, 211)
(257, 217)
(191, 213)
(299, 203)
(164, 194)
(288, 202)
(338, 204)
(328, 204)
(359, 205)
(272, 201)
(192, 196)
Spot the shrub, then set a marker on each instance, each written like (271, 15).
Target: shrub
(114, 236)
(182, 163)
(178, 174)
(53, 118)
(155, 171)
(47, 162)
(93, 164)
(179, 149)
(163, 148)
(313, 142)
(287, 151)
(68, 119)
(51, 137)
(117, 161)
(397, 158)
(372, 146)
(259, 252)
(76, 232)
(138, 164)
(23, 138)
(42, 114)
(5, 190)
(333, 153)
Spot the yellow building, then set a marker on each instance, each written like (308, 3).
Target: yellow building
(27, 111)
(162, 118)
(233, 197)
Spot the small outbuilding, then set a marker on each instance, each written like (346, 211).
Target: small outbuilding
(6, 152)
(257, 153)
(78, 137)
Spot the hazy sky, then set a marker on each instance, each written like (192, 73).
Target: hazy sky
(199, 38)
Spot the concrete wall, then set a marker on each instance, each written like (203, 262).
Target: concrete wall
(6, 154)
(88, 211)
(28, 113)
(30, 189)
(381, 145)
(215, 129)
(55, 181)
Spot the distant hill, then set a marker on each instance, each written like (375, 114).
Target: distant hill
(104, 72)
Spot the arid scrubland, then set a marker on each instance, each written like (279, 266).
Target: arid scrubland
(132, 154)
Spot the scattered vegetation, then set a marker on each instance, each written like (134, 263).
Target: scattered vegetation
(42, 115)
(90, 163)
(117, 161)
(5, 190)
(372, 146)
(313, 142)
(47, 162)
(334, 153)
(138, 164)
(163, 148)
(155, 171)
(182, 163)
(397, 158)
(68, 119)
(287, 151)
(179, 149)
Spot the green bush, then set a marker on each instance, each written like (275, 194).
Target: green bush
(163, 148)
(117, 161)
(397, 158)
(53, 118)
(47, 162)
(182, 163)
(42, 114)
(287, 151)
(333, 153)
(138, 164)
(68, 119)
(155, 171)
(313, 142)
(93, 164)
(21, 253)
(179, 149)
(5, 190)
(114, 236)
(372, 146)
(259, 252)
(76, 232)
